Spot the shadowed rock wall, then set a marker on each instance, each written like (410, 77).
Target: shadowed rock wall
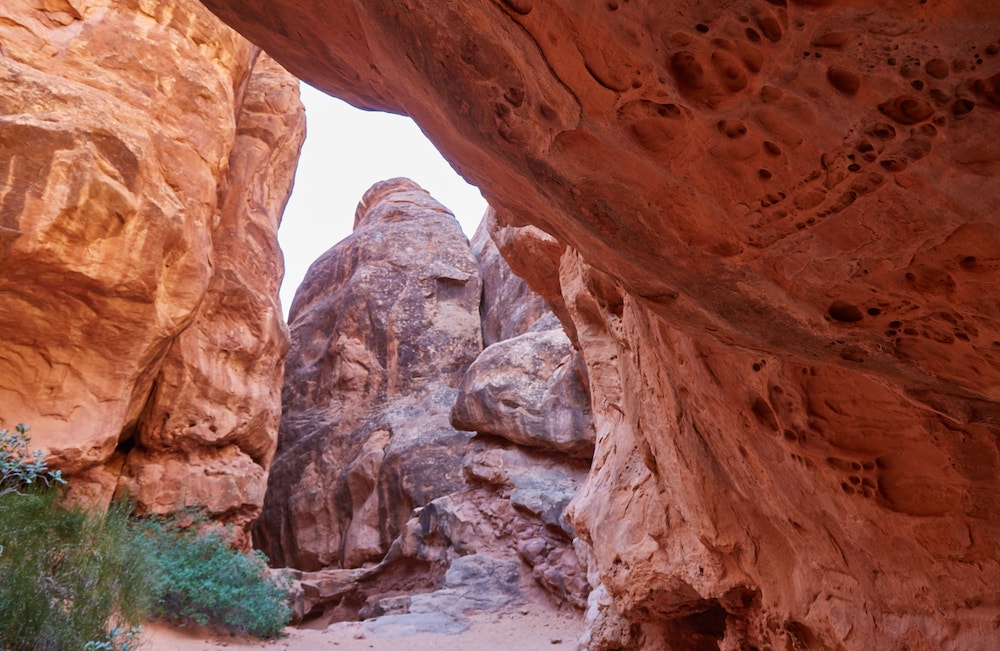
(380, 488)
(383, 328)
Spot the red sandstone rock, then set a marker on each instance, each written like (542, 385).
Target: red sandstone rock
(738, 182)
(383, 328)
(512, 510)
(528, 386)
(219, 387)
(133, 138)
(510, 307)
(367, 468)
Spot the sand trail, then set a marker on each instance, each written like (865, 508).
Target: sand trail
(529, 628)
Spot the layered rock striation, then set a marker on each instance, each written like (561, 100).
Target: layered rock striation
(146, 153)
(779, 232)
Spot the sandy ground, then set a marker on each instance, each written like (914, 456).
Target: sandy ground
(533, 628)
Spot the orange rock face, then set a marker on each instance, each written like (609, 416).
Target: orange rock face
(783, 250)
(146, 152)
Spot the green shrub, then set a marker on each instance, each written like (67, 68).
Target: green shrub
(72, 580)
(202, 580)
(19, 466)
(69, 580)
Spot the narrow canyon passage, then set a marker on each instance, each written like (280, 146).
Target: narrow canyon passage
(381, 491)
(779, 229)
(764, 234)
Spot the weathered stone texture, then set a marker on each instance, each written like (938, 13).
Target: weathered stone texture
(530, 390)
(782, 232)
(529, 385)
(511, 307)
(383, 328)
(146, 152)
(385, 345)
(218, 392)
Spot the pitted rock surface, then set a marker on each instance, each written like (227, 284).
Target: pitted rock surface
(782, 232)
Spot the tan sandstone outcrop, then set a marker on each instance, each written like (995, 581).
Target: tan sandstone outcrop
(783, 232)
(146, 152)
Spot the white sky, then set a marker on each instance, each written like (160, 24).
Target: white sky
(345, 152)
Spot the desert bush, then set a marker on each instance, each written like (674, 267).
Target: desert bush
(19, 465)
(201, 580)
(72, 580)
(69, 579)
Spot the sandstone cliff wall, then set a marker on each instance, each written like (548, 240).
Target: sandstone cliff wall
(146, 152)
(781, 231)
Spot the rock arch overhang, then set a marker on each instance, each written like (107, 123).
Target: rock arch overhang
(782, 242)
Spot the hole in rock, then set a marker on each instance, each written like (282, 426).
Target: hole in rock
(843, 311)
(126, 445)
(345, 152)
(710, 623)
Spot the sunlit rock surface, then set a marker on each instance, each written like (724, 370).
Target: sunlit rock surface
(146, 152)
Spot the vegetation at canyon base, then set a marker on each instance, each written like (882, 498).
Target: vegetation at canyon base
(73, 580)
(201, 580)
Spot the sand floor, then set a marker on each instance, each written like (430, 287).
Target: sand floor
(532, 628)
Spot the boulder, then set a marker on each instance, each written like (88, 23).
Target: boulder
(472, 583)
(513, 510)
(530, 390)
